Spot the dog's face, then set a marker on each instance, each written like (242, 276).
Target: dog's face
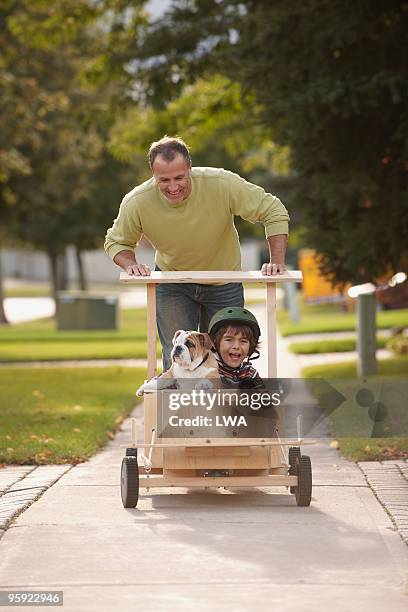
(190, 348)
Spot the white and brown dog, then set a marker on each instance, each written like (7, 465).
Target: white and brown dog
(192, 360)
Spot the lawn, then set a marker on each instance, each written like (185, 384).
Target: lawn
(337, 345)
(317, 318)
(351, 423)
(39, 340)
(35, 290)
(62, 415)
(26, 288)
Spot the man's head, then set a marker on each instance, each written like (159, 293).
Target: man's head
(170, 161)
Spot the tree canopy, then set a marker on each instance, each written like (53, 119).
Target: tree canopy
(311, 89)
(331, 79)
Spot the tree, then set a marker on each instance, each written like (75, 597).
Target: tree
(332, 80)
(56, 195)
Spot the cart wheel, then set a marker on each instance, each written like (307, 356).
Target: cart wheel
(129, 482)
(303, 491)
(294, 452)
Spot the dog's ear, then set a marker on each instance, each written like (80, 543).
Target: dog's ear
(205, 341)
(176, 335)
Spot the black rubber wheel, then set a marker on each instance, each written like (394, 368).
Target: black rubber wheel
(129, 482)
(303, 492)
(294, 452)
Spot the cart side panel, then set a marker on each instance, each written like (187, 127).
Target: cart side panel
(150, 422)
(276, 458)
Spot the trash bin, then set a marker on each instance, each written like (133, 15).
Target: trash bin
(86, 311)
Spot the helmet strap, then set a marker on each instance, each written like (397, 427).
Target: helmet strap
(255, 355)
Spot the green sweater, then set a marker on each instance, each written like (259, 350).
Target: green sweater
(198, 233)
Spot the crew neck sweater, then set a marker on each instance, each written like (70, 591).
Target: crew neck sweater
(199, 232)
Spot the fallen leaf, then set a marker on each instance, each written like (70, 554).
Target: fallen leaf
(40, 457)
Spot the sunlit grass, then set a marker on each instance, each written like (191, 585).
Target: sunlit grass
(62, 415)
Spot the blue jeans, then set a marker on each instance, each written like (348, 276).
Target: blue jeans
(190, 307)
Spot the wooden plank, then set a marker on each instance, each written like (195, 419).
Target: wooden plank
(177, 459)
(271, 330)
(211, 276)
(151, 482)
(218, 451)
(151, 331)
(276, 457)
(250, 442)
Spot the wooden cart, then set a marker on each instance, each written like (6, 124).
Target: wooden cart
(186, 462)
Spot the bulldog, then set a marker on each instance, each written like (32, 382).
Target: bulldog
(192, 359)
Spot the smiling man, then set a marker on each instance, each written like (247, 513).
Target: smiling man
(187, 214)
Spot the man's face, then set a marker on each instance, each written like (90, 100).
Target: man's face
(173, 178)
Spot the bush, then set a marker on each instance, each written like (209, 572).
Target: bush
(398, 343)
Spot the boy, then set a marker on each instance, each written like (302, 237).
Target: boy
(235, 333)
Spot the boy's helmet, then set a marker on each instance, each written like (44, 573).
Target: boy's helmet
(234, 314)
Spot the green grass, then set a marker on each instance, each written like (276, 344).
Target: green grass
(317, 318)
(386, 367)
(62, 415)
(27, 288)
(39, 340)
(28, 291)
(339, 345)
(350, 423)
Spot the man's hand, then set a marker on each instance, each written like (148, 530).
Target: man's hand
(270, 269)
(127, 261)
(138, 269)
(277, 249)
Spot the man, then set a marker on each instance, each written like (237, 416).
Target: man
(188, 216)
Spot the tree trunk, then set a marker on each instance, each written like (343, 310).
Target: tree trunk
(62, 272)
(81, 270)
(53, 257)
(3, 317)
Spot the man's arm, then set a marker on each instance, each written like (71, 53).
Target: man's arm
(253, 203)
(127, 260)
(277, 250)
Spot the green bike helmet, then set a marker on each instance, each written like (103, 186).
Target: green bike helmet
(234, 314)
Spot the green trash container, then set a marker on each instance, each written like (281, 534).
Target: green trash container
(86, 311)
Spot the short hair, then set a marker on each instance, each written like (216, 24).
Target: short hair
(235, 328)
(169, 147)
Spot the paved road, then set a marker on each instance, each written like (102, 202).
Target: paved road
(19, 310)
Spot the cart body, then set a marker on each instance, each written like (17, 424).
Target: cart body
(209, 461)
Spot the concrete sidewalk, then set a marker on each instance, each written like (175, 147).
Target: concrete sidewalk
(238, 549)
(234, 549)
